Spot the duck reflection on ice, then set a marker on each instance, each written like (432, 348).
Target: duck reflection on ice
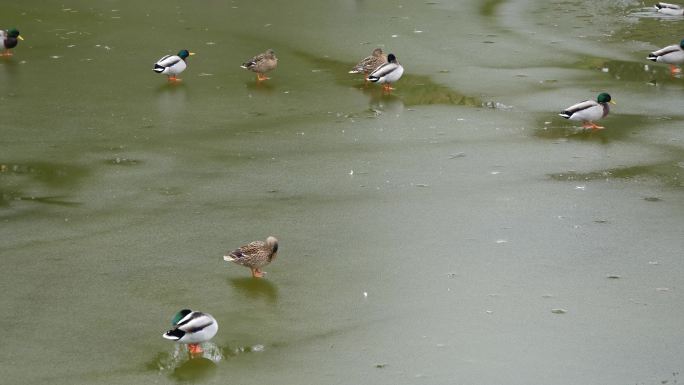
(256, 288)
(183, 366)
(380, 102)
(198, 368)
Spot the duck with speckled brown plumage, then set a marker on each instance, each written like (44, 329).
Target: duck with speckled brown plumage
(262, 63)
(370, 63)
(255, 255)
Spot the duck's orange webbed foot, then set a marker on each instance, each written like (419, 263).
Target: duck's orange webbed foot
(195, 349)
(256, 273)
(674, 69)
(593, 126)
(174, 79)
(261, 77)
(7, 53)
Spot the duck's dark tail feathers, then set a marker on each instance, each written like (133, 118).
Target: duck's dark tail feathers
(174, 334)
(565, 114)
(158, 69)
(652, 57)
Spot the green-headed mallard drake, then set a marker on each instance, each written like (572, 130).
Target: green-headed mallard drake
(9, 39)
(387, 73)
(669, 9)
(370, 63)
(588, 111)
(672, 55)
(255, 255)
(172, 65)
(192, 328)
(262, 63)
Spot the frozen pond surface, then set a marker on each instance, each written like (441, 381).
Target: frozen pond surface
(456, 232)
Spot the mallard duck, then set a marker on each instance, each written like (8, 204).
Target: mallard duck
(10, 39)
(370, 63)
(192, 328)
(172, 65)
(387, 73)
(670, 9)
(255, 255)
(262, 63)
(672, 54)
(588, 111)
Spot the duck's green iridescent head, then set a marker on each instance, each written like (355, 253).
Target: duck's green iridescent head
(181, 314)
(603, 98)
(13, 32)
(681, 43)
(184, 53)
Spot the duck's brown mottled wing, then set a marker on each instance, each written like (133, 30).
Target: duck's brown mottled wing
(249, 255)
(368, 64)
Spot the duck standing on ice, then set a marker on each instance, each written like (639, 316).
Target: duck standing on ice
(172, 65)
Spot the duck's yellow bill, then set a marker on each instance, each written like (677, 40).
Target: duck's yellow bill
(191, 53)
(20, 38)
(612, 102)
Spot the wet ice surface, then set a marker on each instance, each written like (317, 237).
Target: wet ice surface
(457, 231)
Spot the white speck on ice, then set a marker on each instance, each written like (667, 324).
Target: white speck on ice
(365, 294)
(501, 241)
(580, 188)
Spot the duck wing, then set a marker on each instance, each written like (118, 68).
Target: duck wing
(368, 64)
(254, 61)
(247, 254)
(662, 5)
(383, 71)
(191, 323)
(167, 61)
(575, 108)
(666, 50)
